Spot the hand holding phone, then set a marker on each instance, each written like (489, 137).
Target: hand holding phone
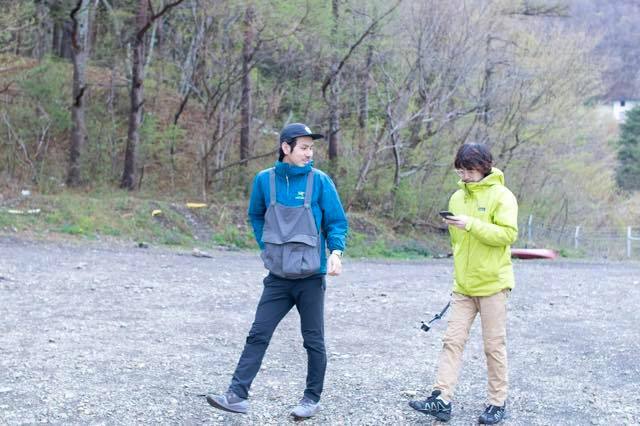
(452, 219)
(446, 214)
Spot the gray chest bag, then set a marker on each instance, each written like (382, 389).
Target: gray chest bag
(290, 235)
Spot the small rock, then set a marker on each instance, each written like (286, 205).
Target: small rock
(199, 253)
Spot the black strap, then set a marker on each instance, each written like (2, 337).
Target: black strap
(272, 186)
(442, 312)
(427, 326)
(308, 190)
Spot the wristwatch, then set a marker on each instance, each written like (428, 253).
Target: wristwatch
(337, 252)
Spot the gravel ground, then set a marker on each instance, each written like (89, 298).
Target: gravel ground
(109, 334)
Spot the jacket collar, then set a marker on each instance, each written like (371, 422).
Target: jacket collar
(496, 177)
(286, 169)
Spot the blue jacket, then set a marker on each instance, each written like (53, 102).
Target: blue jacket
(291, 182)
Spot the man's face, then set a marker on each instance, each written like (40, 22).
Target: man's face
(301, 154)
(468, 176)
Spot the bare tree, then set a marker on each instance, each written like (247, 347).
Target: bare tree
(79, 36)
(334, 88)
(332, 81)
(44, 31)
(145, 19)
(539, 8)
(245, 102)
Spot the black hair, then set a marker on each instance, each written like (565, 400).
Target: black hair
(474, 156)
(292, 144)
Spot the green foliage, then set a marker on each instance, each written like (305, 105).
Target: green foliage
(628, 170)
(572, 253)
(47, 87)
(149, 138)
(156, 143)
(361, 245)
(16, 15)
(109, 214)
(233, 236)
(407, 201)
(33, 122)
(428, 90)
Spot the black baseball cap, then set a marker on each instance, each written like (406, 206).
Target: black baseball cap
(295, 130)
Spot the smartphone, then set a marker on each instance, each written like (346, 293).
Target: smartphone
(446, 214)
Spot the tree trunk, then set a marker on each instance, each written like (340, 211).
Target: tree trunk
(370, 157)
(44, 29)
(334, 92)
(80, 20)
(334, 120)
(245, 102)
(365, 78)
(62, 31)
(136, 99)
(143, 23)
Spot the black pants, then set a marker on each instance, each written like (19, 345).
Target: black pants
(278, 297)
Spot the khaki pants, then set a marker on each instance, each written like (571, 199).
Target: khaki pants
(493, 316)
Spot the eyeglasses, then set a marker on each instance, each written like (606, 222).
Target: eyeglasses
(463, 172)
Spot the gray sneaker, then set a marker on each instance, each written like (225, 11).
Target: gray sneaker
(229, 402)
(305, 408)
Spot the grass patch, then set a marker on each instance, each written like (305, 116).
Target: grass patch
(124, 216)
(233, 236)
(363, 245)
(114, 214)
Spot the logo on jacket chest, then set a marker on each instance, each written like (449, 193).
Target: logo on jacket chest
(300, 195)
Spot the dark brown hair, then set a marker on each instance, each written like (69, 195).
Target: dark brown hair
(474, 156)
(292, 144)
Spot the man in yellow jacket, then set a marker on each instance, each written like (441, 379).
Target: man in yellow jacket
(484, 225)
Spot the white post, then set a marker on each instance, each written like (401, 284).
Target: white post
(628, 241)
(575, 238)
(529, 228)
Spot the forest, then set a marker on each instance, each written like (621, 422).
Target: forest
(184, 99)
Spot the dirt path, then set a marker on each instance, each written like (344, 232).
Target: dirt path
(116, 335)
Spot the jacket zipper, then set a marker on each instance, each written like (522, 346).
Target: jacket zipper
(466, 234)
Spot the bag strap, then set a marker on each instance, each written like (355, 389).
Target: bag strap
(309, 191)
(272, 186)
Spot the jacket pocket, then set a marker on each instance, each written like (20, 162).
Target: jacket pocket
(300, 260)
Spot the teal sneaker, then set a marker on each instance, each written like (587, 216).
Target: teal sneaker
(493, 414)
(433, 406)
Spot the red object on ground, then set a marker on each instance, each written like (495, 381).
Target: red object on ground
(523, 253)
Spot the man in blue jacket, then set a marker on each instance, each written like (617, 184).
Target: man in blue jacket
(296, 214)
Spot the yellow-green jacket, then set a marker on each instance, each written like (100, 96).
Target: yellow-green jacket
(482, 252)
